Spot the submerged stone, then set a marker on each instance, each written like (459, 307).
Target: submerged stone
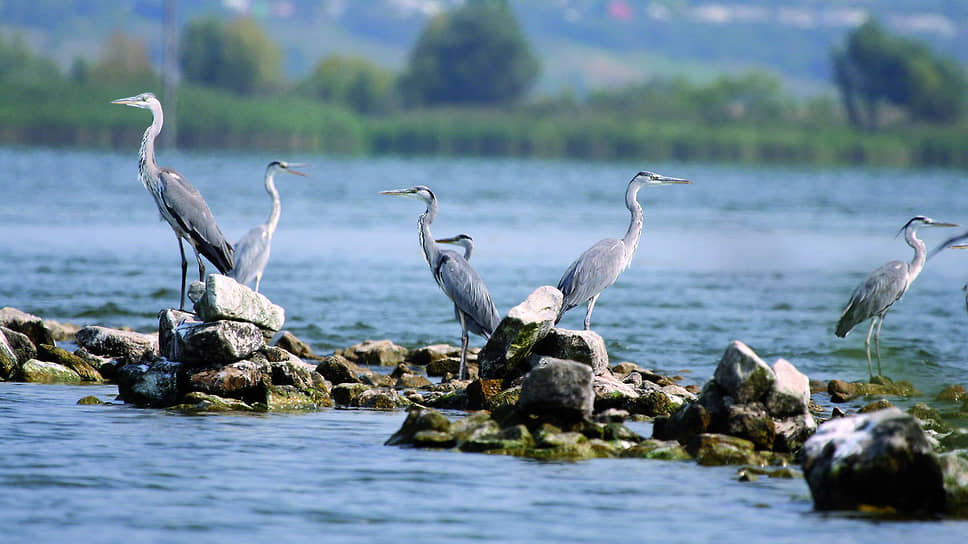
(418, 419)
(149, 384)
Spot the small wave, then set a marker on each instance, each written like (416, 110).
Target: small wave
(110, 309)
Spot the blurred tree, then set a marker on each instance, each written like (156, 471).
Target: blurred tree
(352, 82)
(122, 59)
(875, 68)
(237, 56)
(475, 54)
(18, 64)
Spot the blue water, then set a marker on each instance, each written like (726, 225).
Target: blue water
(767, 255)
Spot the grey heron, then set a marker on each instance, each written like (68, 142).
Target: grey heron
(600, 265)
(178, 201)
(463, 240)
(474, 309)
(252, 250)
(885, 286)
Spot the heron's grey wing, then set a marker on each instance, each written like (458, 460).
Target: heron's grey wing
(466, 289)
(882, 288)
(251, 254)
(593, 271)
(185, 204)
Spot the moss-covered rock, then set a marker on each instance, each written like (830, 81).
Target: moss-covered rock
(35, 371)
(291, 398)
(345, 394)
(841, 391)
(668, 450)
(84, 369)
(90, 400)
(953, 393)
(419, 419)
(198, 402)
(929, 418)
(719, 449)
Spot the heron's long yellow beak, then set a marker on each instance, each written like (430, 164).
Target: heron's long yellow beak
(959, 246)
(398, 192)
(665, 180)
(125, 101)
(943, 225)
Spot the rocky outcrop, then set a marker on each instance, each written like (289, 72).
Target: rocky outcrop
(226, 299)
(882, 459)
(507, 350)
(746, 399)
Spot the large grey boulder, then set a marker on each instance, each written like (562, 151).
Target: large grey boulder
(216, 343)
(129, 346)
(882, 458)
(743, 375)
(583, 346)
(376, 352)
(8, 358)
(28, 324)
(559, 389)
(524, 326)
(225, 298)
(150, 384)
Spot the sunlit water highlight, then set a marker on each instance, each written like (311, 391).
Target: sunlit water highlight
(764, 255)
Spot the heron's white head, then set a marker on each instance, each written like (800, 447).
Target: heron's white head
(651, 178)
(464, 240)
(146, 100)
(287, 167)
(919, 221)
(420, 192)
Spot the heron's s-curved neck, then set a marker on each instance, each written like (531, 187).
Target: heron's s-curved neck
(920, 254)
(427, 243)
(273, 221)
(635, 225)
(146, 156)
(468, 249)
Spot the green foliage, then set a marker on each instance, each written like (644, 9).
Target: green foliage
(475, 54)
(237, 56)
(875, 68)
(18, 64)
(353, 82)
(123, 59)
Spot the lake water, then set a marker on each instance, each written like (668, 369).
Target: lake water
(766, 255)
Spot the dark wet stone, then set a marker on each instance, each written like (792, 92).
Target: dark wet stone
(687, 422)
(419, 419)
(720, 449)
(881, 459)
(880, 404)
(169, 320)
(752, 422)
(345, 394)
(244, 380)
(436, 352)
(289, 342)
(792, 432)
(339, 369)
(217, 342)
(561, 389)
(152, 384)
(23, 348)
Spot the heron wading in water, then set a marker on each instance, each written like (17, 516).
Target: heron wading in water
(473, 307)
(178, 201)
(885, 286)
(252, 250)
(600, 265)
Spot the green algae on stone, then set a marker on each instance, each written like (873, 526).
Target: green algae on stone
(90, 400)
(198, 402)
(667, 450)
(35, 371)
(419, 419)
(84, 369)
(721, 449)
(929, 418)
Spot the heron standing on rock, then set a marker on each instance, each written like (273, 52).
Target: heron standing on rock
(600, 265)
(474, 309)
(885, 286)
(178, 201)
(252, 250)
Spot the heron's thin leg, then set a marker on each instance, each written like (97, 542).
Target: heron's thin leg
(867, 346)
(184, 270)
(201, 266)
(588, 313)
(877, 345)
(462, 371)
(258, 280)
